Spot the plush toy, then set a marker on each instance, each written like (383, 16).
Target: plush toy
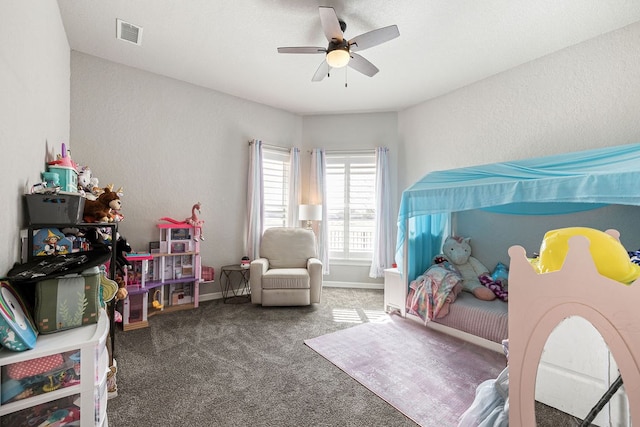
(84, 179)
(609, 256)
(122, 292)
(495, 286)
(102, 209)
(457, 251)
(88, 184)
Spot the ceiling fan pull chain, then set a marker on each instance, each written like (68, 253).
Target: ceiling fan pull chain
(345, 76)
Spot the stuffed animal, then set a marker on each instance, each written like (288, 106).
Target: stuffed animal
(101, 209)
(457, 251)
(122, 292)
(84, 179)
(88, 184)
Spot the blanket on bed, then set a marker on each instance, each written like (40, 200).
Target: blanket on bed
(431, 293)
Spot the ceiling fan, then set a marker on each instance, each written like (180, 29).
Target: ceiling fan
(341, 52)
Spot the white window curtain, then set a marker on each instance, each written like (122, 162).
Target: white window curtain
(255, 211)
(383, 243)
(294, 188)
(318, 195)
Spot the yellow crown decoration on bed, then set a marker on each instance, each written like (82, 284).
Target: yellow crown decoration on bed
(609, 256)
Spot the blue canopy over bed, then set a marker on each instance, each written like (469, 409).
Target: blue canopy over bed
(565, 183)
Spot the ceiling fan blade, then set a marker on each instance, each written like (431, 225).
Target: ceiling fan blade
(358, 63)
(330, 24)
(373, 38)
(302, 49)
(321, 72)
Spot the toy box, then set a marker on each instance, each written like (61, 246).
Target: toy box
(17, 331)
(68, 177)
(68, 301)
(61, 208)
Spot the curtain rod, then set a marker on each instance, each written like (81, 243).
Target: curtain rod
(273, 147)
(363, 151)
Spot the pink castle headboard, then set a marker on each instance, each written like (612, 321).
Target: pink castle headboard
(539, 302)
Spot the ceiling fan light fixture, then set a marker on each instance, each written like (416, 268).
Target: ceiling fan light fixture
(338, 58)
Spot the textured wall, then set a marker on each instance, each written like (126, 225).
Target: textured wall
(34, 106)
(582, 97)
(171, 144)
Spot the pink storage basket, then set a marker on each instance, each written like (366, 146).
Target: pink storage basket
(33, 367)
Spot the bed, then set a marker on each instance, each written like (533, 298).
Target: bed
(552, 185)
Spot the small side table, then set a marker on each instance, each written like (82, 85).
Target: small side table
(242, 291)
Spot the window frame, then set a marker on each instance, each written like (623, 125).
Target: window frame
(275, 169)
(367, 162)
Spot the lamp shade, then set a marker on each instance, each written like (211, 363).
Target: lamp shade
(310, 212)
(338, 58)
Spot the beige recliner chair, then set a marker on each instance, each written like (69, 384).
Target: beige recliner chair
(287, 272)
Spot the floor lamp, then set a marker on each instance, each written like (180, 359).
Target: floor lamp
(310, 213)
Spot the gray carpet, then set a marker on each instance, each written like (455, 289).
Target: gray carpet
(245, 365)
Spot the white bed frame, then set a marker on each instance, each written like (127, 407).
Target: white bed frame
(474, 339)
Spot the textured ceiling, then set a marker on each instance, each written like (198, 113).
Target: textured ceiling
(231, 46)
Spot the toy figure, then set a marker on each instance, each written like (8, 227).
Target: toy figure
(192, 220)
(195, 221)
(51, 246)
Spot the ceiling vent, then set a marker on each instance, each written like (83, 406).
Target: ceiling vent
(128, 32)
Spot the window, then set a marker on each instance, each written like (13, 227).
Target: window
(351, 199)
(275, 175)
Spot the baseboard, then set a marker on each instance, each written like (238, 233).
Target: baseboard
(353, 285)
(217, 295)
(326, 284)
(210, 296)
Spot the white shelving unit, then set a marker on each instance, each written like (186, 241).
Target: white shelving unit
(90, 394)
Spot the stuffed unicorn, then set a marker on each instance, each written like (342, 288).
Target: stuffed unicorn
(476, 278)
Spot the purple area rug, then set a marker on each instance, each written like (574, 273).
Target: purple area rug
(429, 376)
